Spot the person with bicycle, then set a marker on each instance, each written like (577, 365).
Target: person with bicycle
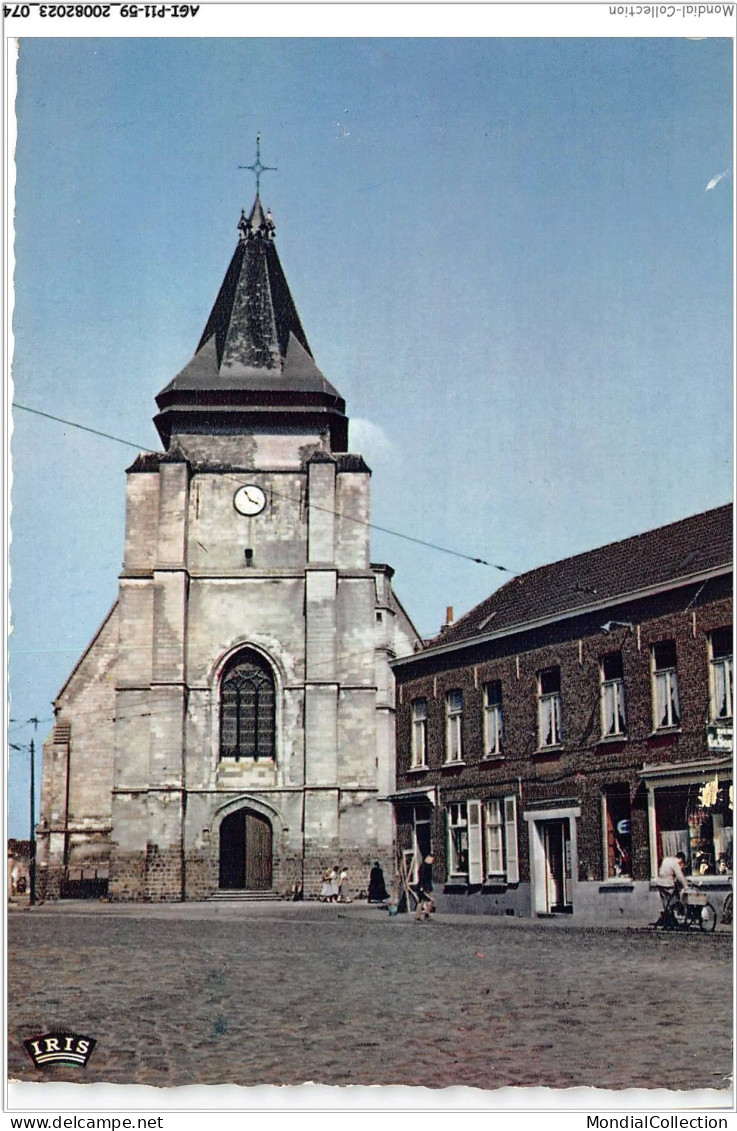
(671, 880)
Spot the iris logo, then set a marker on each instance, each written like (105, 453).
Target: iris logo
(60, 1048)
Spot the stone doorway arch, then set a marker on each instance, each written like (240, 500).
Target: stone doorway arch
(246, 851)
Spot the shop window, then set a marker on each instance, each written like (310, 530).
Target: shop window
(666, 710)
(500, 839)
(549, 708)
(454, 726)
(720, 648)
(493, 721)
(617, 831)
(419, 733)
(696, 819)
(613, 718)
(457, 841)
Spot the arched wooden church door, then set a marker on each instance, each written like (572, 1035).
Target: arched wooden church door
(245, 851)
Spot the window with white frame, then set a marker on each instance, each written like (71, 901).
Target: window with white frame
(494, 837)
(454, 726)
(482, 840)
(493, 721)
(666, 710)
(613, 718)
(505, 856)
(720, 648)
(419, 733)
(549, 708)
(457, 840)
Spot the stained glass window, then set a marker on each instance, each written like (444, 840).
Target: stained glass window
(247, 709)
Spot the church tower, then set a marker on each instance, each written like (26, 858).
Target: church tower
(231, 724)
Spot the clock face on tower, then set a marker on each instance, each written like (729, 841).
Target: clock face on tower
(249, 499)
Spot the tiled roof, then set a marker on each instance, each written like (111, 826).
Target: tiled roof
(664, 556)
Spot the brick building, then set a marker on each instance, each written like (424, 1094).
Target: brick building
(561, 737)
(231, 725)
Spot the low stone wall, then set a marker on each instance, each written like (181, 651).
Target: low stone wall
(127, 876)
(164, 879)
(163, 875)
(512, 901)
(48, 882)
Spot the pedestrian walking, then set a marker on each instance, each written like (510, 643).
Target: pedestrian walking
(325, 888)
(343, 886)
(423, 889)
(333, 884)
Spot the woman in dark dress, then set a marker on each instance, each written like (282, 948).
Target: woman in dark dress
(377, 892)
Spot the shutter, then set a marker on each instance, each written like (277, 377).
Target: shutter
(475, 871)
(510, 838)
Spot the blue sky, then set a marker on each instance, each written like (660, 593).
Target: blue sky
(502, 251)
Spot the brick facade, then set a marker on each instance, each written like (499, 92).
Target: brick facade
(563, 792)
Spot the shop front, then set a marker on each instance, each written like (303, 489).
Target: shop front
(413, 815)
(690, 810)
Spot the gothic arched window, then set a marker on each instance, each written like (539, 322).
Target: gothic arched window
(247, 709)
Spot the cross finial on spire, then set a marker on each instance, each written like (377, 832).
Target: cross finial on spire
(257, 168)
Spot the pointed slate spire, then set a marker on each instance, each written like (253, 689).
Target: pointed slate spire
(254, 312)
(253, 354)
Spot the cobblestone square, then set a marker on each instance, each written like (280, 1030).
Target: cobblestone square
(288, 993)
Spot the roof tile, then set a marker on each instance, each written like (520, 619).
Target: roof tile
(668, 554)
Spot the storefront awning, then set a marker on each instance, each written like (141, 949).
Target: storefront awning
(416, 796)
(705, 767)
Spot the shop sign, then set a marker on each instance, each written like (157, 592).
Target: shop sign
(719, 738)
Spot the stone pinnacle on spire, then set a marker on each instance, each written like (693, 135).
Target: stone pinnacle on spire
(256, 225)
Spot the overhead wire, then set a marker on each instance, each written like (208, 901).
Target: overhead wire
(338, 514)
(82, 427)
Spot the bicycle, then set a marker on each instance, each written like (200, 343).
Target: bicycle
(685, 909)
(727, 908)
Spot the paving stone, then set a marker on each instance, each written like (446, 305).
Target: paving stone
(288, 993)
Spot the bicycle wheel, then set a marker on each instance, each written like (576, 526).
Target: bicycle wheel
(680, 914)
(727, 908)
(707, 918)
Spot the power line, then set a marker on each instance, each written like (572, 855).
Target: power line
(386, 530)
(82, 427)
(314, 506)
(20, 726)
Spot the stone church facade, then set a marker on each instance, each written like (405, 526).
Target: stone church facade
(231, 724)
